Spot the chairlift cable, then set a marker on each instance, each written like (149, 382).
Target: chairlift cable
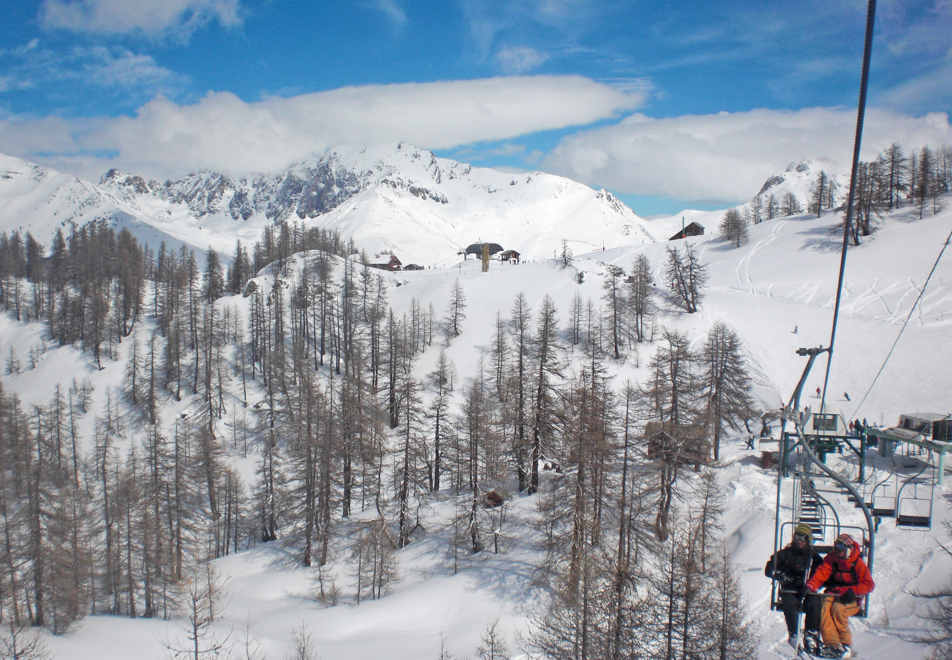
(860, 115)
(813, 353)
(905, 323)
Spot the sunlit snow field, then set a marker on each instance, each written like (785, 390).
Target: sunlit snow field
(777, 292)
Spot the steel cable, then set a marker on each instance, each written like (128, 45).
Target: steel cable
(860, 115)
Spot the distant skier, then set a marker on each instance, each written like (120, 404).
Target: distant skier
(750, 442)
(788, 566)
(846, 579)
(795, 328)
(846, 396)
(818, 392)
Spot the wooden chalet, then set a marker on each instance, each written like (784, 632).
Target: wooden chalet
(393, 265)
(413, 267)
(693, 229)
(692, 449)
(509, 255)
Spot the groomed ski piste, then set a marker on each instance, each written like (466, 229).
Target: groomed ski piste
(776, 292)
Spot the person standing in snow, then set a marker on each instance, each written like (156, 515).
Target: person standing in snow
(789, 567)
(846, 580)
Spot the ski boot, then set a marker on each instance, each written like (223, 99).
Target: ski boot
(811, 642)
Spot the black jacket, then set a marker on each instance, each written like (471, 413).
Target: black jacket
(793, 562)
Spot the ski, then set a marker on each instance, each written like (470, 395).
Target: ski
(822, 654)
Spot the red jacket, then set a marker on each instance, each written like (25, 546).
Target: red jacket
(839, 574)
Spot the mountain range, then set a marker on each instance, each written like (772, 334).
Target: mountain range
(393, 199)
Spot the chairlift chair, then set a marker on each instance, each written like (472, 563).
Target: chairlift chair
(914, 499)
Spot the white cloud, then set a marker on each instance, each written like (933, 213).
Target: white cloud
(728, 156)
(392, 11)
(931, 88)
(519, 59)
(125, 69)
(151, 17)
(105, 68)
(223, 132)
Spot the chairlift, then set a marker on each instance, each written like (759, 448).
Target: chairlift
(915, 497)
(883, 495)
(832, 530)
(819, 494)
(910, 455)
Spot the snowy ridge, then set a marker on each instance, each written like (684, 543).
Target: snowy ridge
(41, 201)
(798, 179)
(389, 199)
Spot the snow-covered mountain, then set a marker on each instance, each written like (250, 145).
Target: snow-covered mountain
(392, 198)
(39, 200)
(396, 198)
(798, 179)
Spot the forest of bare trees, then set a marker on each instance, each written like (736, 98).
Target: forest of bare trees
(319, 386)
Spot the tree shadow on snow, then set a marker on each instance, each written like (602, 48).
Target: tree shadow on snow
(724, 246)
(823, 239)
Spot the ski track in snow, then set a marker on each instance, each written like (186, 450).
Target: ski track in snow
(745, 262)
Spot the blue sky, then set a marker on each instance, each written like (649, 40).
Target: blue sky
(666, 104)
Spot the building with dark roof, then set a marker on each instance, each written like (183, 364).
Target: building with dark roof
(477, 249)
(693, 229)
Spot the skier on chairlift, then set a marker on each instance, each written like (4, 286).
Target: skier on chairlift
(846, 579)
(788, 566)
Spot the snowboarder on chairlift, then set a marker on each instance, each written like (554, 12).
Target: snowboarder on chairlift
(846, 579)
(789, 567)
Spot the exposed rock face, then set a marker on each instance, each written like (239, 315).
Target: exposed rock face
(135, 184)
(307, 190)
(775, 180)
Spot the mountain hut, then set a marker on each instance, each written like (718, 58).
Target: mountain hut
(393, 265)
(693, 229)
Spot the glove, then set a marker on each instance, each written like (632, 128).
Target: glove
(780, 577)
(848, 597)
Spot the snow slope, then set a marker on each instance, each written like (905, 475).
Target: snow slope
(41, 201)
(783, 280)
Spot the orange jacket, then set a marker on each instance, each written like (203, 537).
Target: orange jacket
(840, 574)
